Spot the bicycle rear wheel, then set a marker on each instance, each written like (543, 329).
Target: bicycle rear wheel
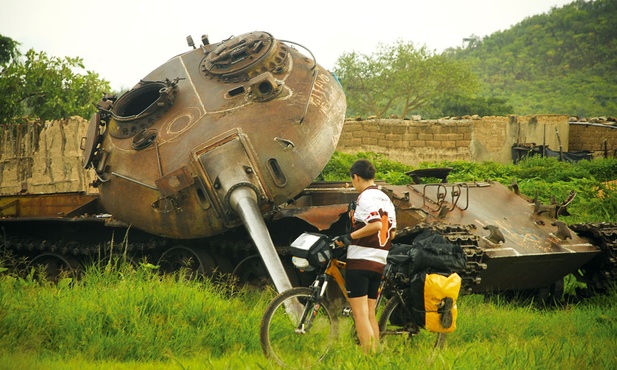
(285, 340)
(396, 320)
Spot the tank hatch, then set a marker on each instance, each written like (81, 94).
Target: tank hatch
(244, 57)
(141, 106)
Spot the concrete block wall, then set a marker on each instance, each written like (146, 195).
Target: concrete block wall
(408, 141)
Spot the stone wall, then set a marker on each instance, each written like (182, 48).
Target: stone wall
(43, 158)
(408, 141)
(47, 158)
(595, 138)
(480, 139)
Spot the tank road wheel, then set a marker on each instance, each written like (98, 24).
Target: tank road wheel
(192, 261)
(53, 267)
(252, 270)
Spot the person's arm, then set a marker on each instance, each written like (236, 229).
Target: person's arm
(369, 229)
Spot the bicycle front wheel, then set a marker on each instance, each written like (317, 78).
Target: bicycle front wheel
(295, 331)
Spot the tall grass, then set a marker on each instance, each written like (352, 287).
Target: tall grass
(129, 318)
(126, 317)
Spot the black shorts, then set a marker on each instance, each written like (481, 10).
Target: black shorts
(362, 282)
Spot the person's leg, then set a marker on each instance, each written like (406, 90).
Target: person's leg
(372, 316)
(364, 328)
(373, 292)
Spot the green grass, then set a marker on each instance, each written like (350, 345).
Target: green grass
(136, 319)
(133, 318)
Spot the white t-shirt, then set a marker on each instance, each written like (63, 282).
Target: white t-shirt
(371, 252)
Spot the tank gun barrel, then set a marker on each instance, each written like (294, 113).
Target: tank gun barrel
(244, 201)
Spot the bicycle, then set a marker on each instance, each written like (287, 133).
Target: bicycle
(303, 318)
(300, 325)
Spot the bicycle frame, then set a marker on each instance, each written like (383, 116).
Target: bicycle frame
(319, 286)
(321, 282)
(333, 272)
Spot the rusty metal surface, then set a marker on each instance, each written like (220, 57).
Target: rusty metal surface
(483, 205)
(529, 271)
(321, 217)
(43, 205)
(522, 249)
(250, 111)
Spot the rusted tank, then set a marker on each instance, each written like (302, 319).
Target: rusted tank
(208, 163)
(217, 138)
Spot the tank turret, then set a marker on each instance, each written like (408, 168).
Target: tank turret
(216, 138)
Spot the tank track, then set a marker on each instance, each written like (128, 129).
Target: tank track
(74, 248)
(600, 274)
(86, 243)
(462, 236)
(20, 254)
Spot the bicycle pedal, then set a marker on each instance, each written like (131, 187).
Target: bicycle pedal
(346, 311)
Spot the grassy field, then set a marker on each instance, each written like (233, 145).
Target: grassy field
(136, 319)
(126, 318)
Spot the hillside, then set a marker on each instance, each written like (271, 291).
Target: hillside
(560, 62)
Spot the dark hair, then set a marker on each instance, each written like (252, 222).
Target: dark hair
(362, 168)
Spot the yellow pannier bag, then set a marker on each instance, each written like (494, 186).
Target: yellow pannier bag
(440, 295)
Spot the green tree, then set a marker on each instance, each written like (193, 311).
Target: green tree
(399, 79)
(45, 87)
(8, 49)
(562, 62)
(457, 105)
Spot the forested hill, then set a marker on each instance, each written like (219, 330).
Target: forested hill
(560, 62)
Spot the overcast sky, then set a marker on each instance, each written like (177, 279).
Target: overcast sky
(123, 40)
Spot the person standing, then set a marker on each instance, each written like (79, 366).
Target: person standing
(373, 224)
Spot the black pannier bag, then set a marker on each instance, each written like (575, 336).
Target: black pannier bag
(432, 264)
(429, 252)
(415, 300)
